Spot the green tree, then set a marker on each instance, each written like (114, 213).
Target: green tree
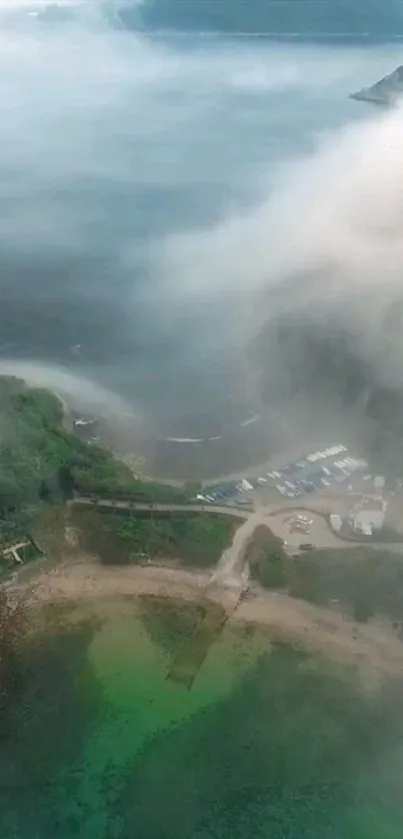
(270, 570)
(362, 610)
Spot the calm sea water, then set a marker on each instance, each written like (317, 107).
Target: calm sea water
(267, 743)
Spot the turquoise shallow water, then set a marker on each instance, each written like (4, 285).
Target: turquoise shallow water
(269, 742)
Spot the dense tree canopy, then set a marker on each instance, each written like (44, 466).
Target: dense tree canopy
(121, 539)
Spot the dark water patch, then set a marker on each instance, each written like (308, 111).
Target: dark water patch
(185, 631)
(293, 752)
(43, 729)
(170, 623)
(13, 625)
(247, 630)
(190, 658)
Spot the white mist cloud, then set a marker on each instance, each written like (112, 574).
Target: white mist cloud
(80, 105)
(326, 242)
(83, 393)
(115, 146)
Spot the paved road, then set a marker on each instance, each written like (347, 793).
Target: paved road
(233, 512)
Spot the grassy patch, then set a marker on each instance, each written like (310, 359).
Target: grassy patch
(362, 582)
(197, 541)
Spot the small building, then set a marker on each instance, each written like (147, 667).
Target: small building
(379, 482)
(336, 522)
(369, 515)
(367, 529)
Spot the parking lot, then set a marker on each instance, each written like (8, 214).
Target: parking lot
(317, 471)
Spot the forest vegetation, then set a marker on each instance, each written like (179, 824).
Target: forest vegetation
(41, 463)
(120, 539)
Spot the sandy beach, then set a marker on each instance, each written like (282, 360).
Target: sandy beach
(73, 580)
(374, 648)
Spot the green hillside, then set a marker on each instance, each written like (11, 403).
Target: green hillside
(40, 463)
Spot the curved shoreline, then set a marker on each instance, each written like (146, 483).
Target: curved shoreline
(252, 471)
(374, 648)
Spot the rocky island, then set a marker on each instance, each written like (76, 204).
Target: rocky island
(385, 93)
